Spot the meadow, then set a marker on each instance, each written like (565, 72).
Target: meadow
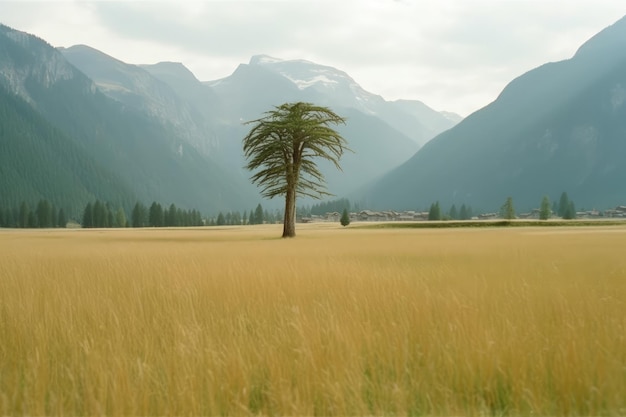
(338, 321)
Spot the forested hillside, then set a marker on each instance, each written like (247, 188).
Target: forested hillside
(39, 161)
(65, 141)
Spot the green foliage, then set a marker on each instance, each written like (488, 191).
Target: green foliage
(337, 205)
(507, 211)
(88, 221)
(61, 218)
(258, 215)
(101, 214)
(44, 215)
(570, 211)
(563, 204)
(566, 208)
(72, 144)
(465, 213)
(281, 148)
(453, 213)
(231, 218)
(139, 216)
(487, 224)
(435, 211)
(155, 215)
(545, 211)
(40, 162)
(120, 218)
(345, 218)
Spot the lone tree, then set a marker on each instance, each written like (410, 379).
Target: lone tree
(345, 217)
(281, 147)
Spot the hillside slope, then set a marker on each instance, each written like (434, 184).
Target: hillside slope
(560, 127)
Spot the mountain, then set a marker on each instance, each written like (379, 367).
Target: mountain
(40, 162)
(148, 157)
(331, 87)
(211, 115)
(157, 133)
(154, 91)
(382, 134)
(560, 127)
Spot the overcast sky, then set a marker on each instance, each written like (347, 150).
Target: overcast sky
(454, 55)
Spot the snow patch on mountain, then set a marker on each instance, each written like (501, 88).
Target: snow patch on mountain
(306, 74)
(315, 79)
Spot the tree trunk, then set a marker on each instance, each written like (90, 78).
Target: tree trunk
(289, 223)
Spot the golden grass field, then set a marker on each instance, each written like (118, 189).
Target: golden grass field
(235, 321)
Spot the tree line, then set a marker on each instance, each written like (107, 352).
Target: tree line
(255, 216)
(42, 215)
(100, 214)
(565, 208)
(158, 216)
(454, 213)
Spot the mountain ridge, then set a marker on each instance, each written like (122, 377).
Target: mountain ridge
(555, 128)
(150, 159)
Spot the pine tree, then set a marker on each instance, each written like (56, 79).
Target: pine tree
(32, 219)
(544, 210)
(463, 213)
(570, 212)
(258, 214)
(44, 218)
(345, 217)
(454, 215)
(120, 218)
(23, 215)
(99, 214)
(171, 216)
(88, 216)
(507, 211)
(54, 221)
(435, 212)
(139, 215)
(563, 205)
(281, 149)
(62, 219)
(155, 215)
(110, 215)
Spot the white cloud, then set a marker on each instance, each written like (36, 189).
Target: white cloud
(452, 54)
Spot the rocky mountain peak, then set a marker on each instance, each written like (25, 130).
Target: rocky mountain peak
(30, 58)
(175, 70)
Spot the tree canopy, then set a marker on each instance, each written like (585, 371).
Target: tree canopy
(545, 210)
(281, 149)
(507, 211)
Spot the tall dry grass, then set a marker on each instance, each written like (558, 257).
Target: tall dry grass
(334, 322)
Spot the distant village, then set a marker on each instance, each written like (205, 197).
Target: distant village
(411, 216)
